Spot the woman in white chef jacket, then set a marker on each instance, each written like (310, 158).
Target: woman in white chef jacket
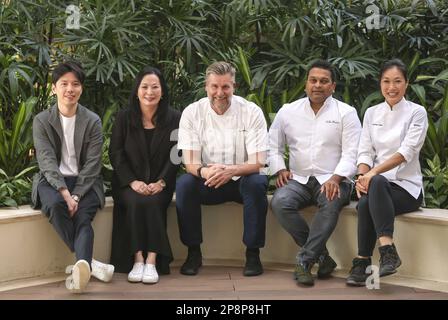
(389, 180)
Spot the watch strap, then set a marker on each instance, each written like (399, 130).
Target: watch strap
(199, 171)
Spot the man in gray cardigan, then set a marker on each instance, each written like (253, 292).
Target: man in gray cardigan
(69, 187)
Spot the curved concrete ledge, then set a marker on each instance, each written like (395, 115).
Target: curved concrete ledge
(29, 247)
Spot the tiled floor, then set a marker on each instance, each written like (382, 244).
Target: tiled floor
(222, 283)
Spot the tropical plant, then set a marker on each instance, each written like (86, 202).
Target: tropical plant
(15, 190)
(436, 184)
(271, 42)
(16, 139)
(107, 123)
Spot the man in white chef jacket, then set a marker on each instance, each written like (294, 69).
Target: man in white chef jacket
(223, 138)
(322, 134)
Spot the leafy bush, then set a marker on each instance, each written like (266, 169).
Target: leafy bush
(16, 139)
(16, 190)
(107, 170)
(271, 43)
(436, 184)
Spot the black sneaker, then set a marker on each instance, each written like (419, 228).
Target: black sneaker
(326, 266)
(303, 274)
(253, 265)
(358, 275)
(389, 260)
(193, 263)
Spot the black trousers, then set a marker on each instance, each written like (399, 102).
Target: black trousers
(76, 231)
(377, 211)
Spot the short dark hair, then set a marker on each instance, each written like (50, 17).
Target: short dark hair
(160, 116)
(323, 64)
(66, 67)
(394, 63)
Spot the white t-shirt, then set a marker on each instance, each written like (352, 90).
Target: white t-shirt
(401, 129)
(69, 164)
(225, 139)
(320, 145)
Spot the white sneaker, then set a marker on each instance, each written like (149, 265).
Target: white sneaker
(78, 280)
(136, 274)
(102, 271)
(150, 274)
(68, 269)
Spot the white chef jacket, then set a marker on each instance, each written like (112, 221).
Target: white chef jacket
(389, 130)
(320, 145)
(226, 139)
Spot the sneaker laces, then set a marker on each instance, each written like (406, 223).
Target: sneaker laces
(150, 274)
(324, 259)
(101, 267)
(138, 268)
(149, 270)
(303, 268)
(389, 257)
(359, 265)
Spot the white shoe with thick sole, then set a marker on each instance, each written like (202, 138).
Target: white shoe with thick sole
(136, 274)
(78, 280)
(102, 271)
(150, 274)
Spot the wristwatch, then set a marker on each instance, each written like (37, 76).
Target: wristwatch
(162, 183)
(199, 171)
(75, 197)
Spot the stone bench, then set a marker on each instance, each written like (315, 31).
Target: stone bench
(29, 247)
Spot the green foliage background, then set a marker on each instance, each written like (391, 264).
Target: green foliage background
(270, 41)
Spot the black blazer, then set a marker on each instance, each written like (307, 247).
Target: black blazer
(129, 155)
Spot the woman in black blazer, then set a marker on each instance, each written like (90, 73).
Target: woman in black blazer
(143, 137)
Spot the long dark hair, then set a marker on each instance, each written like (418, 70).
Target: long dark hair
(159, 118)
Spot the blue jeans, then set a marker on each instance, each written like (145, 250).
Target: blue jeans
(294, 196)
(249, 190)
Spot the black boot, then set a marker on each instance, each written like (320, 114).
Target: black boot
(326, 266)
(193, 263)
(163, 268)
(303, 275)
(253, 265)
(358, 275)
(389, 260)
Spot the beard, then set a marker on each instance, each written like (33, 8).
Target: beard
(222, 104)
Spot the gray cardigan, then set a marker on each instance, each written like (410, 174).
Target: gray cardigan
(47, 134)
